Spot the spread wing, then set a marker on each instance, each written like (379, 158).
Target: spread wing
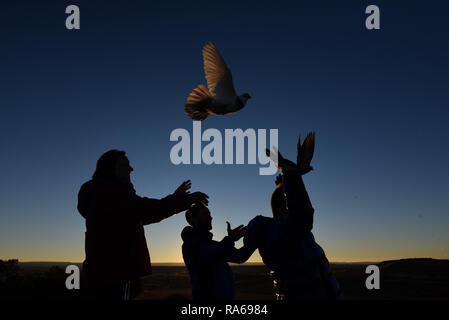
(305, 152)
(218, 75)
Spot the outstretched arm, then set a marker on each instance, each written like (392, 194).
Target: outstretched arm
(240, 255)
(255, 234)
(155, 210)
(210, 252)
(300, 210)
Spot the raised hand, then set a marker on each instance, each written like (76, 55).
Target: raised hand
(199, 197)
(237, 233)
(184, 188)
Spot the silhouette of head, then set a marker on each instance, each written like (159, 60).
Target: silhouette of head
(113, 164)
(278, 202)
(198, 216)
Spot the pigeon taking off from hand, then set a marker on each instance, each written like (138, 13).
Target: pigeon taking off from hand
(220, 98)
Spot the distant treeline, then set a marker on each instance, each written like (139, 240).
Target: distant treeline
(17, 284)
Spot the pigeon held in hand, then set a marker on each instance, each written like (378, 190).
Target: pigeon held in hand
(220, 97)
(303, 158)
(305, 152)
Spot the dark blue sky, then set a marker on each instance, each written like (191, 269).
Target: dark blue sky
(378, 101)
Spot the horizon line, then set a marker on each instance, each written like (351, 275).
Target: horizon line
(233, 264)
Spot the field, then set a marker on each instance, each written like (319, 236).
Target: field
(403, 279)
(400, 279)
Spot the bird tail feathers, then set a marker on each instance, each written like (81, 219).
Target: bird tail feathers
(197, 103)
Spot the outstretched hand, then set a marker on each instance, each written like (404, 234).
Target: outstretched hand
(184, 188)
(237, 233)
(195, 197)
(199, 197)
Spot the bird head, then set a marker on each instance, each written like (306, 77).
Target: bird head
(244, 98)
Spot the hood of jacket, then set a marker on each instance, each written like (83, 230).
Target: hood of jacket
(191, 234)
(85, 196)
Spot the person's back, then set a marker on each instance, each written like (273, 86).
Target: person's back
(276, 247)
(116, 249)
(201, 279)
(285, 242)
(115, 245)
(295, 266)
(206, 259)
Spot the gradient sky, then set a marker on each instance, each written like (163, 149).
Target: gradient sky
(378, 101)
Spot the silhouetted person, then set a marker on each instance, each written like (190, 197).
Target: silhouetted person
(115, 245)
(285, 242)
(206, 259)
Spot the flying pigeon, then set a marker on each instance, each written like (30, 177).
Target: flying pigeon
(303, 158)
(220, 97)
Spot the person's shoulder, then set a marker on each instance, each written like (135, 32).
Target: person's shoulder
(84, 198)
(259, 219)
(256, 230)
(97, 183)
(95, 186)
(187, 233)
(86, 184)
(258, 223)
(104, 186)
(262, 218)
(86, 188)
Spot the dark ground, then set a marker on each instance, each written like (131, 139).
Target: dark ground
(400, 279)
(403, 279)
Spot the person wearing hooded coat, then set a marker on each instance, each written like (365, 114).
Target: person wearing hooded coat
(115, 246)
